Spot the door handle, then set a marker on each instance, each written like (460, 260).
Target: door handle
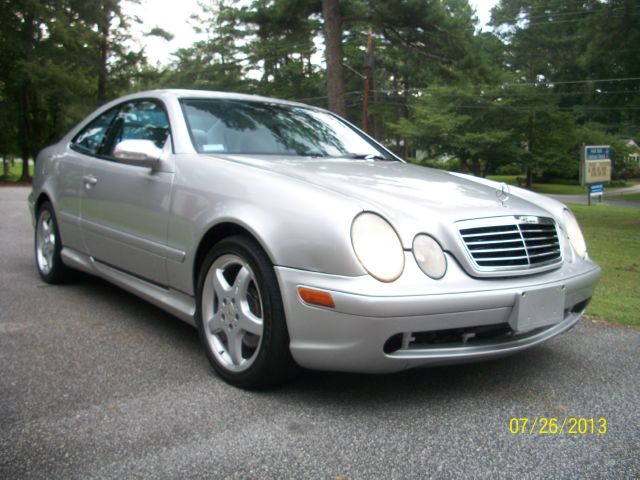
(89, 181)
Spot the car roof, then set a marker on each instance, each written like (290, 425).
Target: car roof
(184, 93)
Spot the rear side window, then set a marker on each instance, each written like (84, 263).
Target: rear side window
(92, 137)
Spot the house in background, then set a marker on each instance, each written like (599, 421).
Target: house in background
(634, 155)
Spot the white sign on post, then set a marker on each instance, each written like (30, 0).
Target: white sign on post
(595, 165)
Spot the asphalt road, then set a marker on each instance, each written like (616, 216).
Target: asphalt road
(608, 200)
(95, 383)
(611, 197)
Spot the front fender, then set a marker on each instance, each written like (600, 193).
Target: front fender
(299, 225)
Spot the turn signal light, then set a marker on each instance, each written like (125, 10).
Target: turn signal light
(316, 297)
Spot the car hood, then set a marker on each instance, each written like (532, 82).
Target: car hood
(389, 184)
(402, 192)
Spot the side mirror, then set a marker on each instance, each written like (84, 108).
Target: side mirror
(142, 153)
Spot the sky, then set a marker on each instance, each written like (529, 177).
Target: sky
(483, 11)
(173, 16)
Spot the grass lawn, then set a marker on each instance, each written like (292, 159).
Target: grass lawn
(631, 197)
(549, 188)
(559, 188)
(15, 172)
(613, 238)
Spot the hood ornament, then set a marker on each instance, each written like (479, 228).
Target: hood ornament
(503, 194)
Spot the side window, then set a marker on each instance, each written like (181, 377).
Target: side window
(142, 120)
(92, 137)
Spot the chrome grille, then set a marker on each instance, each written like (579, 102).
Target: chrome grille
(512, 243)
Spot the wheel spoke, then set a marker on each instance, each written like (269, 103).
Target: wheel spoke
(214, 323)
(220, 284)
(248, 322)
(241, 283)
(234, 346)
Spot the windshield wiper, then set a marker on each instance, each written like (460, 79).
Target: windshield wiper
(311, 154)
(366, 156)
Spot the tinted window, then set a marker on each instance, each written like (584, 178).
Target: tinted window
(143, 120)
(92, 137)
(234, 126)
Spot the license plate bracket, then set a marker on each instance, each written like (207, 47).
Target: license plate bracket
(537, 308)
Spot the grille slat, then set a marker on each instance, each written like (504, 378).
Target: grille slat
(535, 255)
(536, 239)
(491, 259)
(472, 244)
(546, 245)
(490, 234)
(498, 249)
(513, 246)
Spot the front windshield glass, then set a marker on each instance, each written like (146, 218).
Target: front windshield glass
(259, 128)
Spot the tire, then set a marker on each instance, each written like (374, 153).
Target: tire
(240, 315)
(47, 247)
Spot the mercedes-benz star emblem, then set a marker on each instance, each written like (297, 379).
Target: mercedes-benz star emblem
(503, 193)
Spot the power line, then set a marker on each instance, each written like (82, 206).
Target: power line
(486, 95)
(596, 80)
(543, 16)
(555, 22)
(533, 94)
(520, 108)
(550, 83)
(550, 18)
(322, 97)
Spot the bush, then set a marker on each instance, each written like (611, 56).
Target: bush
(509, 169)
(630, 171)
(452, 165)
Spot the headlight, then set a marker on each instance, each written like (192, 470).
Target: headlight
(429, 256)
(574, 233)
(377, 247)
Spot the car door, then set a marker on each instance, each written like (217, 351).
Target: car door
(69, 171)
(125, 208)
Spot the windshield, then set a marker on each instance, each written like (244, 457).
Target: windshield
(259, 128)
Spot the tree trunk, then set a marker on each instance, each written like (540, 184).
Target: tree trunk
(475, 163)
(25, 177)
(26, 131)
(103, 53)
(530, 148)
(532, 118)
(464, 164)
(333, 55)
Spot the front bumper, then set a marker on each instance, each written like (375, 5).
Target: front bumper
(368, 314)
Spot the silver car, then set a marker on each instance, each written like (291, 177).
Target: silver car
(290, 238)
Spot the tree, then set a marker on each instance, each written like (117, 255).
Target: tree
(470, 123)
(334, 55)
(264, 47)
(51, 72)
(578, 60)
(41, 44)
(612, 53)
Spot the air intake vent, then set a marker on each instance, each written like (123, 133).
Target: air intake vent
(513, 243)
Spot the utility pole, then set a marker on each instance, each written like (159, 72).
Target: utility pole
(368, 80)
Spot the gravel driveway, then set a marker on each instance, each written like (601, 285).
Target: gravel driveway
(95, 383)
